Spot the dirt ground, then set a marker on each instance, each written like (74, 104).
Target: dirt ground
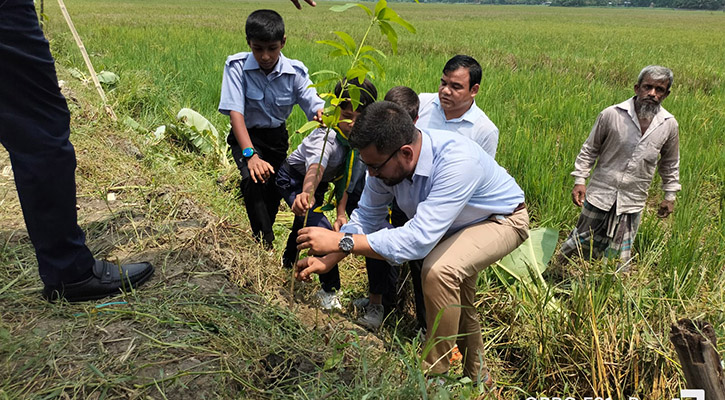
(195, 330)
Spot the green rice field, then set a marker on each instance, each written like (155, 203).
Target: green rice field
(547, 73)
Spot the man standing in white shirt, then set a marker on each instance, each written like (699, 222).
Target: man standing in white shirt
(454, 107)
(626, 142)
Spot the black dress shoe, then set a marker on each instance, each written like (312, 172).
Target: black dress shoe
(107, 279)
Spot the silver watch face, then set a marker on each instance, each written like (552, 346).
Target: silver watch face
(346, 244)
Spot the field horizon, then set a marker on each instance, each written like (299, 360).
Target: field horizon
(216, 321)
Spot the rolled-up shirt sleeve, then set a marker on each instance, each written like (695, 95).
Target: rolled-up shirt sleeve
(434, 216)
(232, 94)
(669, 163)
(590, 151)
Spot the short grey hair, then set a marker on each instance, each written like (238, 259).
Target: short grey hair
(656, 72)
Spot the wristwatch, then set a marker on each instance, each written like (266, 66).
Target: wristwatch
(248, 152)
(346, 243)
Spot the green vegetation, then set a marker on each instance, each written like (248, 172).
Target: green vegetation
(683, 4)
(215, 320)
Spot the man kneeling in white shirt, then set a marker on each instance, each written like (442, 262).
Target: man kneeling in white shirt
(466, 212)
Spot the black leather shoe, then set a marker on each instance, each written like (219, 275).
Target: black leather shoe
(107, 279)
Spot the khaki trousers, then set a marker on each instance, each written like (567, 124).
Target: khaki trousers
(449, 278)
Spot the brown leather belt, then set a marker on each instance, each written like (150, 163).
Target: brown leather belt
(519, 207)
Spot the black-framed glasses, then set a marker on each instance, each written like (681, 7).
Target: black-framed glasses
(377, 168)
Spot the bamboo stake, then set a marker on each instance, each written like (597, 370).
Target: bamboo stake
(91, 70)
(42, 14)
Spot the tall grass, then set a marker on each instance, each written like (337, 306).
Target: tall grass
(547, 73)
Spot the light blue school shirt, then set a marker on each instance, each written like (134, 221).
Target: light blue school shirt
(473, 124)
(266, 101)
(455, 184)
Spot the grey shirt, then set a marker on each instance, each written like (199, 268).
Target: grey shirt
(308, 153)
(626, 159)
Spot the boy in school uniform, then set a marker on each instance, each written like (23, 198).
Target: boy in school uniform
(259, 90)
(298, 178)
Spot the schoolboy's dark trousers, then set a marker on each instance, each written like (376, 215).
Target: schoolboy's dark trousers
(290, 183)
(398, 218)
(262, 199)
(382, 276)
(35, 130)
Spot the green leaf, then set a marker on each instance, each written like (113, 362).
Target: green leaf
(197, 121)
(367, 49)
(390, 15)
(379, 67)
(325, 71)
(202, 135)
(354, 95)
(131, 123)
(107, 78)
(388, 31)
(334, 44)
(96, 371)
(360, 64)
(339, 53)
(534, 253)
(77, 73)
(334, 360)
(310, 125)
(319, 85)
(331, 117)
(329, 120)
(337, 112)
(348, 6)
(358, 72)
(380, 6)
(324, 82)
(347, 39)
(343, 7)
(326, 207)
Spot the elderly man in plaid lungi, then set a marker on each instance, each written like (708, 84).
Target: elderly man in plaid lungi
(628, 142)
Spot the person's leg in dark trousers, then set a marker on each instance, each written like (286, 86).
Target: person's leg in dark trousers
(382, 278)
(398, 218)
(289, 183)
(35, 129)
(261, 200)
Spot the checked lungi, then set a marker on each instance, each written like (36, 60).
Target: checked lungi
(600, 233)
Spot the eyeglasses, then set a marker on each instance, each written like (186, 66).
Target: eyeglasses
(377, 168)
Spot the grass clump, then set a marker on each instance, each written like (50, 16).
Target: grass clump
(216, 321)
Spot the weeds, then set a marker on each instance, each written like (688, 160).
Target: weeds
(213, 321)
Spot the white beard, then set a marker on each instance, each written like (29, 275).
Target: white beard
(647, 111)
